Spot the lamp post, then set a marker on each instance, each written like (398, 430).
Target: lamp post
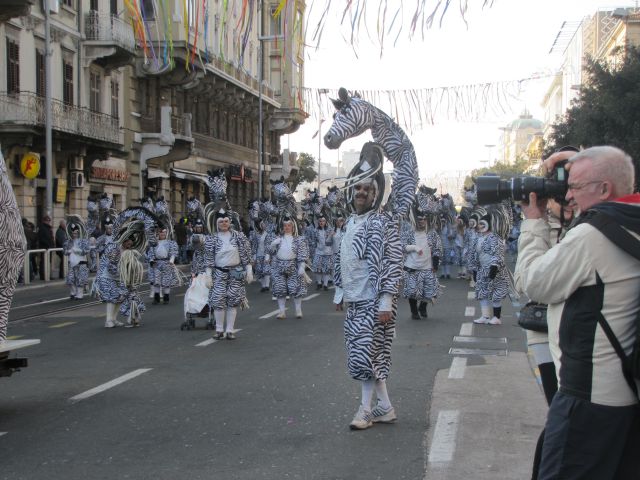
(47, 111)
(261, 39)
(321, 92)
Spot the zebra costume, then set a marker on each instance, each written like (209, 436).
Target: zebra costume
(336, 242)
(370, 259)
(420, 283)
(12, 246)
(228, 262)
(260, 239)
(162, 257)
(288, 254)
(77, 248)
(323, 258)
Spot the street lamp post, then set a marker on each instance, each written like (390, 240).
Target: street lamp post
(47, 111)
(321, 92)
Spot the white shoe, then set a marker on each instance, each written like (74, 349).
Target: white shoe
(109, 324)
(472, 284)
(383, 415)
(361, 420)
(482, 320)
(281, 316)
(495, 321)
(298, 313)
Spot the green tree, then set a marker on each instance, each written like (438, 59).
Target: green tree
(505, 170)
(607, 110)
(305, 171)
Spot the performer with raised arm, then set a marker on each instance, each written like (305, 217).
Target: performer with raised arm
(77, 248)
(370, 259)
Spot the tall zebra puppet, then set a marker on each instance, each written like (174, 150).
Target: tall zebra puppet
(12, 246)
(369, 263)
(217, 183)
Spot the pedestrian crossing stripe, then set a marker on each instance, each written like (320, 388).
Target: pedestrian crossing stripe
(63, 324)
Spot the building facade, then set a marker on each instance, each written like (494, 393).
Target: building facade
(147, 100)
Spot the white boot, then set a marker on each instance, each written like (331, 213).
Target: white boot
(298, 303)
(231, 321)
(486, 315)
(281, 306)
(109, 323)
(218, 314)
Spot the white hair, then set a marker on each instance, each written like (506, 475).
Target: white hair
(610, 164)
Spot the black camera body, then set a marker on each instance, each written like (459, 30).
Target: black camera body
(492, 189)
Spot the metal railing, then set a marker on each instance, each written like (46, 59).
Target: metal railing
(27, 108)
(109, 28)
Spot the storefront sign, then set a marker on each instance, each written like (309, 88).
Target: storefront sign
(112, 170)
(30, 165)
(61, 190)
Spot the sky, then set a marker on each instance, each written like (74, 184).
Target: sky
(510, 40)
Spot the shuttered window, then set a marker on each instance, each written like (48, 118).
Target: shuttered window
(40, 78)
(67, 84)
(13, 67)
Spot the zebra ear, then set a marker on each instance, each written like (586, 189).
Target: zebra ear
(338, 105)
(343, 95)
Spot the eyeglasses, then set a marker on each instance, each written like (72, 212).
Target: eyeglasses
(579, 186)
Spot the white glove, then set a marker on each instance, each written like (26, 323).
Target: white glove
(208, 281)
(171, 260)
(267, 258)
(249, 270)
(301, 269)
(275, 243)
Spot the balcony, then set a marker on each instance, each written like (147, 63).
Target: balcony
(26, 109)
(15, 8)
(110, 41)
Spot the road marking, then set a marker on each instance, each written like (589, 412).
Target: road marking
(313, 295)
(443, 444)
(458, 366)
(15, 337)
(44, 302)
(466, 328)
(471, 295)
(469, 311)
(470, 339)
(477, 351)
(108, 385)
(3, 433)
(206, 342)
(63, 324)
(270, 314)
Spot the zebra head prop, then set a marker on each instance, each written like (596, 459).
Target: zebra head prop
(194, 209)
(353, 117)
(217, 182)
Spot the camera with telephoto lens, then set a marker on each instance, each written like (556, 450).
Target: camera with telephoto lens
(492, 189)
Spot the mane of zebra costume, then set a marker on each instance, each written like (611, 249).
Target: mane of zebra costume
(12, 246)
(93, 214)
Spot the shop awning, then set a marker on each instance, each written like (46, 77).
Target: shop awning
(188, 175)
(156, 173)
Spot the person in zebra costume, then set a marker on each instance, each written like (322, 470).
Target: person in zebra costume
(260, 240)
(370, 259)
(323, 258)
(77, 248)
(148, 204)
(336, 242)
(197, 243)
(227, 259)
(162, 258)
(13, 245)
(121, 266)
(288, 254)
(423, 252)
(492, 283)
(447, 236)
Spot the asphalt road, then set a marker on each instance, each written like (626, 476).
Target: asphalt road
(273, 404)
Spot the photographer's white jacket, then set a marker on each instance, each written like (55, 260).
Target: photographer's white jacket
(582, 277)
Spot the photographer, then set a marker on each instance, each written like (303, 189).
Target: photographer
(593, 422)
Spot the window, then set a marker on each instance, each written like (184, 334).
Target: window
(115, 99)
(13, 67)
(147, 11)
(93, 5)
(40, 85)
(94, 91)
(68, 3)
(114, 7)
(275, 24)
(67, 83)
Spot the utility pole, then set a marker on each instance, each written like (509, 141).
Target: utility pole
(321, 92)
(47, 110)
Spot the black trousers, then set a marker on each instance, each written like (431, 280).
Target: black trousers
(585, 441)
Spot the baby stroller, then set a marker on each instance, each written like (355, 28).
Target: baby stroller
(196, 304)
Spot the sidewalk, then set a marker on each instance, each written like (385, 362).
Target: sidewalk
(486, 424)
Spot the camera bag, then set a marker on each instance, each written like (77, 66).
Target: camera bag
(627, 242)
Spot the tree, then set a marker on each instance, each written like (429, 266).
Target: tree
(607, 110)
(305, 172)
(505, 170)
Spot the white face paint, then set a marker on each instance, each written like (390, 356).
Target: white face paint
(483, 226)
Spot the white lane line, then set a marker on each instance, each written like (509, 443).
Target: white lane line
(466, 329)
(458, 366)
(3, 433)
(108, 385)
(206, 342)
(471, 295)
(443, 444)
(313, 295)
(270, 314)
(469, 311)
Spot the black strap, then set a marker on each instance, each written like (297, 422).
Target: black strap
(619, 350)
(627, 242)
